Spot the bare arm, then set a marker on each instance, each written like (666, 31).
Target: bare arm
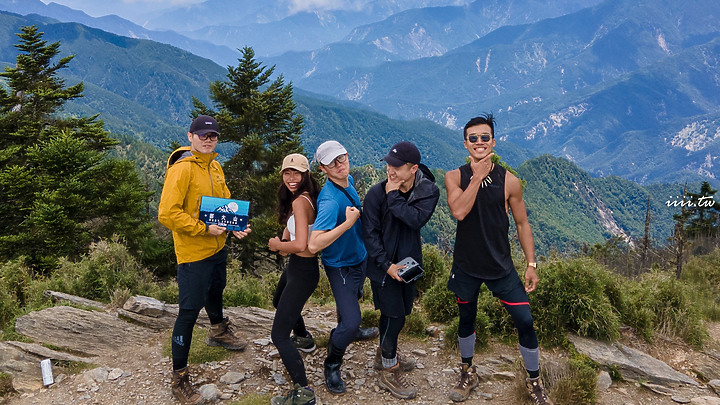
(519, 213)
(461, 201)
(319, 240)
(303, 215)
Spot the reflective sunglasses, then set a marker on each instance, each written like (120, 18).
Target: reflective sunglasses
(483, 137)
(339, 159)
(212, 135)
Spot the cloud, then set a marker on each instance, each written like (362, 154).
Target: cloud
(319, 5)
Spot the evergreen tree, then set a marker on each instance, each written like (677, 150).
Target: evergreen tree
(259, 117)
(702, 213)
(58, 190)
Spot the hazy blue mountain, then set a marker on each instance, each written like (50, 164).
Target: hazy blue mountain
(419, 32)
(279, 26)
(145, 89)
(116, 25)
(621, 88)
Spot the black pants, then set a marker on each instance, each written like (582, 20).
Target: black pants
(200, 284)
(303, 274)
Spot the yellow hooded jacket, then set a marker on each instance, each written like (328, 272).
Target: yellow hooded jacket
(190, 176)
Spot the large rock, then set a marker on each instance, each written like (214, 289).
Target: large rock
(633, 364)
(22, 361)
(145, 306)
(250, 321)
(89, 332)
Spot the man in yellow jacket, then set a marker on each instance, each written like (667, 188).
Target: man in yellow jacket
(193, 172)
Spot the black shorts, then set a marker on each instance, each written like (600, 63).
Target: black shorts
(509, 289)
(197, 280)
(393, 298)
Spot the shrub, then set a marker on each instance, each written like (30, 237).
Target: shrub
(246, 291)
(571, 381)
(439, 303)
(674, 307)
(166, 292)
(369, 318)
(6, 386)
(435, 266)
(108, 266)
(703, 274)
(415, 324)
(571, 297)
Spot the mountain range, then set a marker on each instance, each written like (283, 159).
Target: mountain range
(595, 87)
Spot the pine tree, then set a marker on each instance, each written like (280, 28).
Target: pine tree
(58, 189)
(259, 117)
(702, 218)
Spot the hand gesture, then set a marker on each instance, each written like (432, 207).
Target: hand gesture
(482, 167)
(274, 244)
(351, 215)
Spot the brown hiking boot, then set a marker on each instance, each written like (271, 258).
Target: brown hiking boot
(221, 335)
(468, 381)
(182, 390)
(395, 381)
(405, 363)
(537, 391)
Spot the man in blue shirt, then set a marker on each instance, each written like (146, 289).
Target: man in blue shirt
(338, 233)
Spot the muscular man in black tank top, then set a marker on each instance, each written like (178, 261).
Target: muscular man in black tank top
(480, 195)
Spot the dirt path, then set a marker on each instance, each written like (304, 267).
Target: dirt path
(143, 376)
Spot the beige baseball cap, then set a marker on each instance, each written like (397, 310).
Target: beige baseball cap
(295, 161)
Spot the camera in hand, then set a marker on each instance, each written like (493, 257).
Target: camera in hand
(412, 270)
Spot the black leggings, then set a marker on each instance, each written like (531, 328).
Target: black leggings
(302, 274)
(520, 315)
(389, 331)
(299, 329)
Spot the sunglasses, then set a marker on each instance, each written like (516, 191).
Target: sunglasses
(213, 136)
(339, 159)
(483, 137)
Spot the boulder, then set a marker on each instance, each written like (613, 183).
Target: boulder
(145, 306)
(22, 361)
(633, 364)
(87, 332)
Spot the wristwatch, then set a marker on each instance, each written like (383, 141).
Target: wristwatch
(533, 264)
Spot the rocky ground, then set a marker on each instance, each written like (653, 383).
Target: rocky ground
(138, 373)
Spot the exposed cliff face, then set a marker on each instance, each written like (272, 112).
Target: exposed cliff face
(603, 214)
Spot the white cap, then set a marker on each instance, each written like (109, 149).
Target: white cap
(328, 151)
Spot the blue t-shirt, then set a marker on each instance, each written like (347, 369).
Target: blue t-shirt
(348, 249)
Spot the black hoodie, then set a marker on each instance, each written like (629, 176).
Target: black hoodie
(391, 225)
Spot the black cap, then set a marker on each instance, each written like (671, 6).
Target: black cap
(401, 153)
(204, 124)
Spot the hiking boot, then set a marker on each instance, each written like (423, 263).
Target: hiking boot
(537, 391)
(182, 390)
(367, 333)
(298, 396)
(304, 344)
(405, 363)
(331, 368)
(468, 381)
(395, 381)
(221, 335)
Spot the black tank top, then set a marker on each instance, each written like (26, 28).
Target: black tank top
(482, 247)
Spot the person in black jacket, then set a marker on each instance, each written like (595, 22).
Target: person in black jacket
(394, 211)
